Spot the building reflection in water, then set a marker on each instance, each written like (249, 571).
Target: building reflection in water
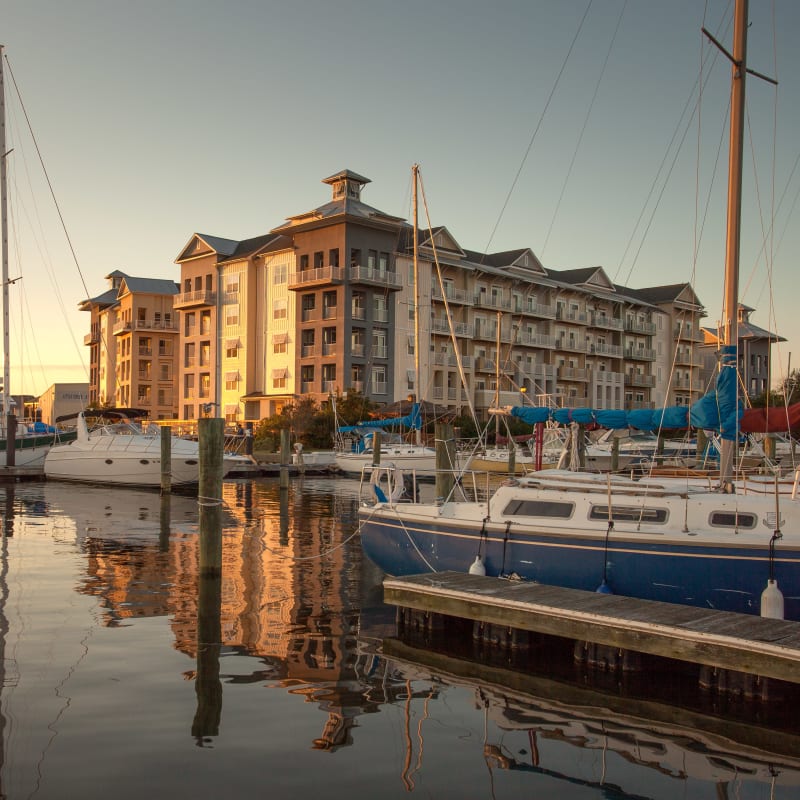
(297, 599)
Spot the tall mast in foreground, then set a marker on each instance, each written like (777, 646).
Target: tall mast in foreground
(4, 215)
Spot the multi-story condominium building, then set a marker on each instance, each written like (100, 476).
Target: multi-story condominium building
(235, 328)
(344, 282)
(133, 345)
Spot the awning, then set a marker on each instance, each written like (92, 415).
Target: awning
(281, 372)
(232, 408)
(230, 344)
(280, 338)
(232, 376)
(411, 374)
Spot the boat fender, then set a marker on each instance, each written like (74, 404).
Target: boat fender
(772, 601)
(477, 567)
(603, 588)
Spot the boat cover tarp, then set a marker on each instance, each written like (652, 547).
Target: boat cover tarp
(719, 410)
(771, 420)
(412, 420)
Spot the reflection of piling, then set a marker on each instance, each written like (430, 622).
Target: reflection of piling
(8, 518)
(211, 435)
(11, 438)
(445, 460)
(283, 530)
(285, 458)
(164, 523)
(166, 459)
(209, 642)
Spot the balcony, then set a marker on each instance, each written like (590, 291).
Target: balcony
(687, 384)
(637, 379)
(306, 387)
(608, 378)
(640, 354)
(329, 386)
(308, 350)
(579, 317)
(537, 340)
(684, 335)
(121, 326)
(483, 364)
(380, 351)
(601, 349)
(375, 277)
(145, 351)
(484, 300)
(357, 386)
(357, 350)
(639, 326)
(687, 358)
(318, 276)
(485, 398)
(537, 310)
(606, 322)
(379, 387)
(91, 338)
(572, 374)
(358, 312)
(329, 348)
(453, 295)
(380, 315)
(201, 297)
(329, 312)
(459, 328)
(571, 345)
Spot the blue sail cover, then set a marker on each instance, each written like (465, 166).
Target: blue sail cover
(719, 410)
(412, 420)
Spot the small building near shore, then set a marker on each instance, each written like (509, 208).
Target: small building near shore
(62, 398)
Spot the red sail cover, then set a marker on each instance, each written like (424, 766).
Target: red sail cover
(770, 420)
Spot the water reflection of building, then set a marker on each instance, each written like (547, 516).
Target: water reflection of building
(290, 591)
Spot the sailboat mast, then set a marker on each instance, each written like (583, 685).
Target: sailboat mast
(730, 325)
(415, 175)
(4, 233)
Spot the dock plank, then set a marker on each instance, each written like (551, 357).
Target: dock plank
(741, 642)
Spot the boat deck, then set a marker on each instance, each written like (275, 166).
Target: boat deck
(741, 642)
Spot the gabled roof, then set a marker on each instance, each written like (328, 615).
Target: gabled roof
(107, 298)
(147, 286)
(201, 244)
(592, 278)
(675, 292)
(267, 242)
(116, 274)
(746, 331)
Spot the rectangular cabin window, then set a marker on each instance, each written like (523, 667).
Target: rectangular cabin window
(732, 519)
(629, 514)
(539, 508)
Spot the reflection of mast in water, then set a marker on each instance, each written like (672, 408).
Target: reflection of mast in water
(8, 530)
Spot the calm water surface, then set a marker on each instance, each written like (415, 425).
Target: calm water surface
(299, 686)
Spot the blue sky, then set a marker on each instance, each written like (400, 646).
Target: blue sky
(159, 119)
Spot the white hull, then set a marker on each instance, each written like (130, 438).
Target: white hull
(125, 460)
(420, 459)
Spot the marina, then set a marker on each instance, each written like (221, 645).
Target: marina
(308, 678)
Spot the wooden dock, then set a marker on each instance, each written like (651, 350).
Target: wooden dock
(19, 474)
(740, 642)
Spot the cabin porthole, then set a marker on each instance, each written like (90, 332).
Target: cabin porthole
(109, 461)
(143, 461)
(191, 462)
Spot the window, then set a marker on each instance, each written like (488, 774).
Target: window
(308, 305)
(232, 380)
(328, 377)
(372, 259)
(165, 372)
(379, 380)
(279, 309)
(380, 309)
(188, 359)
(205, 354)
(205, 323)
(165, 347)
(379, 347)
(539, 508)
(333, 256)
(410, 346)
(144, 395)
(280, 273)
(732, 519)
(319, 259)
(307, 378)
(280, 342)
(383, 263)
(629, 514)
(329, 305)
(188, 384)
(279, 377)
(358, 306)
(232, 348)
(164, 397)
(188, 412)
(307, 343)
(303, 263)
(205, 384)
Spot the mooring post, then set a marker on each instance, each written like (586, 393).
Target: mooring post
(166, 459)
(211, 433)
(615, 454)
(11, 439)
(248, 439)
(376, 449)
(445, 460)
(286, 457)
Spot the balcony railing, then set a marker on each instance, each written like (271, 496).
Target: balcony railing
(612, 350)
(357, 350)
(357, 386)
(358, 312)
(604, 321)
(379, 387)
(328, 386)
(572, 374)
(201, 297)
(92, 338)
(375, 277)
(637, 326)
(380, 315)
(380, 351)
(486, 300)
(636, 379)
(640, 354)
(329, 348)
(453, 295)
(319, 276)
(307, 350)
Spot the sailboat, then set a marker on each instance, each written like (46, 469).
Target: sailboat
(409, 455)
(655, 539)
(31, 443)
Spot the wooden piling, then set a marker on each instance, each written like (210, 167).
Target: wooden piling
(166, 459)
(445, 460)
(376, 449)
(211, 434)
(248, 439)
(615, 454)
(286, 457)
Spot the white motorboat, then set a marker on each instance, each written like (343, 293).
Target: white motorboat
(123, 454)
